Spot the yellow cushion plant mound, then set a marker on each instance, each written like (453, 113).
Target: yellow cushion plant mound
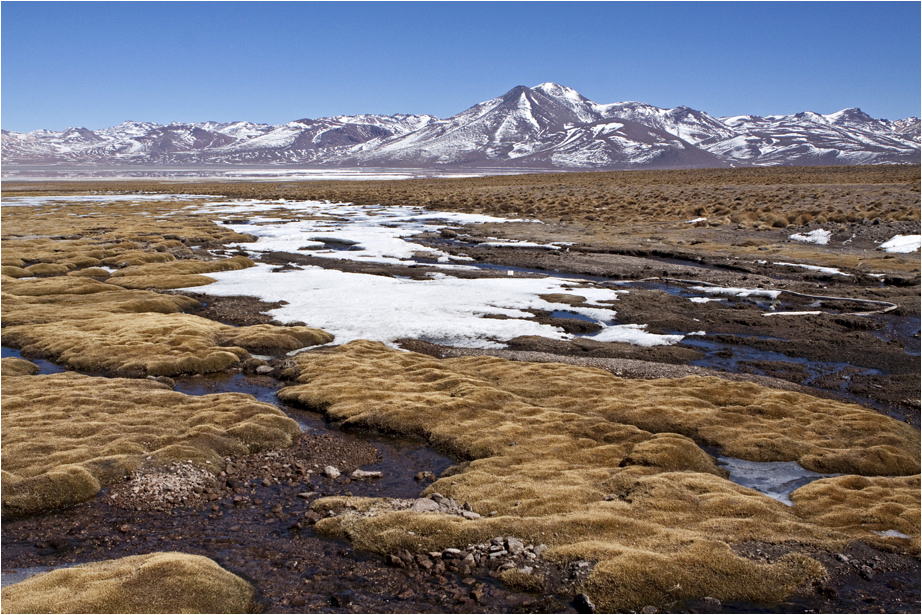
(152, 583)
(66, 435)
(92, 319)
(608, 470)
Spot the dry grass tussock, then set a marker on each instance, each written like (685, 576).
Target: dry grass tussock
(66, 435)
(61, 301)
(772, 197)
(152, 583)
(605, 469)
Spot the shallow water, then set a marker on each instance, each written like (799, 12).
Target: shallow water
(776, 479)
(45, 367)
(401, 458)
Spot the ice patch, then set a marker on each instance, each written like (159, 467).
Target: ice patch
(814, 313)
(518, 244)
(776, 479)
(891, 534)
(902, 244)
(738, 292)
(819, 236)
(36, 201)
(442, 309)
(636, 335)
(829, 270)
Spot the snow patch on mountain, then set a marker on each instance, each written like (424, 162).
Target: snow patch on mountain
(545, 126)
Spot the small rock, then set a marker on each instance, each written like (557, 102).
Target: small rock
(395, 561)
(867, 572)
(583, 604)
(842, 558)
(649, 609)
(540, 549)
(514, 545)
(424, 562)
(363, 475)
(331, 472)
(421, 476)
(424, 505)
(307, 494)
(264, 369)
(712, 602)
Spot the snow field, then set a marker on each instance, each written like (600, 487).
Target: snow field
(442, 309)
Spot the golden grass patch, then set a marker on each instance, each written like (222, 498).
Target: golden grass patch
(152, 583)
(74, 318)
(154, 344)
(861, 503)
(18, 367)
(601, 468)
(66, 435)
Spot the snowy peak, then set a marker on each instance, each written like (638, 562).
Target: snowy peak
(545, 126)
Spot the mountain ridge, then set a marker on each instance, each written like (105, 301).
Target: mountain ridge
(546, 126)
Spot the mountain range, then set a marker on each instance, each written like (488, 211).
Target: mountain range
(548, 126)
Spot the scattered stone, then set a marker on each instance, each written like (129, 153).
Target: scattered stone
(264, 369)
(514, 545)
(365, 475)
(421, 476)
(331, 472)
(307, 494)
(423, 505)
(583, 604)
(395, 561)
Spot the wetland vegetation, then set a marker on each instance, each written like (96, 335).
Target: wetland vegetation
(569, 459)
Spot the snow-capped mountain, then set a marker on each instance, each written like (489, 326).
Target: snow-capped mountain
(546, 126)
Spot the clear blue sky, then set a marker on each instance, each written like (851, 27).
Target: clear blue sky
(97, 64)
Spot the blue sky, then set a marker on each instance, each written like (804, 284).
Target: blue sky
(97, 64)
